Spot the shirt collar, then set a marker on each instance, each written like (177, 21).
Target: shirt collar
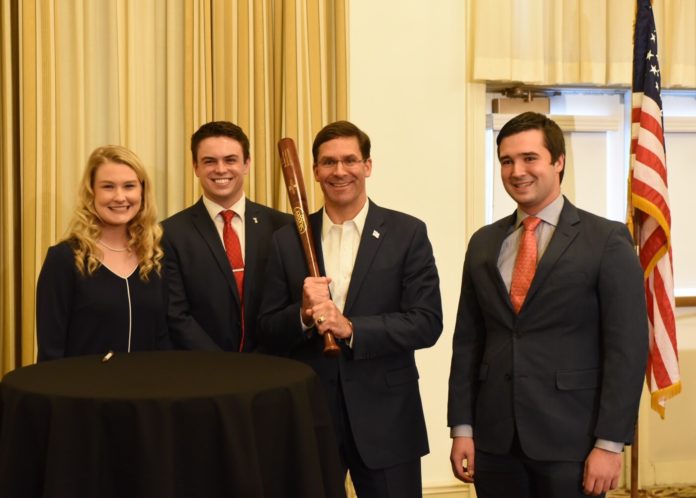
(359, 221)
(214, 208)
(550, 214)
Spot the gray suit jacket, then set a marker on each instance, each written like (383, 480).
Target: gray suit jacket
(394, 303)
(569, 368)
(204, 307)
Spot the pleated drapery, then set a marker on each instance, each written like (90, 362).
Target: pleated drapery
(82, 73)
(577, 42)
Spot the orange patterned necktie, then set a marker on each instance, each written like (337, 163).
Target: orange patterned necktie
(525, 264)
(234, 254)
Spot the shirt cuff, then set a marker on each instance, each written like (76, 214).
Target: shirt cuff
(464, 430)
(612, 446)
(306, 330)
(352, 335)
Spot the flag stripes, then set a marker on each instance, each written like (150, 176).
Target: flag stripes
(650, 211)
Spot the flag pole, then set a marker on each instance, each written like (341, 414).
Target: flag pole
(650, 217)
(635, 490)
(632, 221)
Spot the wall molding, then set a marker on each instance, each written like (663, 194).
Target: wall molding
(680, 124)
(437, 491)
(450, 491)
(673, 124)
(674, 472)
(566, 122)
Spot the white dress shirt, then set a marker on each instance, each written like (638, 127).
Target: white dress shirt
(339, 244)
(339, 247)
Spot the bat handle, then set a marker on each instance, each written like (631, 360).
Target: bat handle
(331, 349)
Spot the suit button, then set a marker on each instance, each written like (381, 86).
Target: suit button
(508, 376)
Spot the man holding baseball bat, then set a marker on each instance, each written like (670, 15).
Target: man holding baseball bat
(216, 250)
(380, 299)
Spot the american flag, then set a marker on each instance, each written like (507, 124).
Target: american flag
(649, 199)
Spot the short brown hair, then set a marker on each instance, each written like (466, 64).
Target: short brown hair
(219, 129)
(341, 129)
(553, 135)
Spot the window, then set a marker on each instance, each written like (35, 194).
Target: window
(596, 123)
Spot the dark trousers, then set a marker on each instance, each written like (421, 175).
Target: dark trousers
(514, 475)
(399, 481)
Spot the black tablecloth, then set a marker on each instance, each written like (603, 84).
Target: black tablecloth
(166, 424)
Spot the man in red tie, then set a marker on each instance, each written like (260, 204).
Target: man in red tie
(216, 250)
(551, 339)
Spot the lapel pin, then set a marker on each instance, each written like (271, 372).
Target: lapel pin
(375, 234)
(256, 220)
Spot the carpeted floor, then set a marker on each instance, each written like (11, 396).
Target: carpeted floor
(686, 491)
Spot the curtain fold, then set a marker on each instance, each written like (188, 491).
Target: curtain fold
(577, 42)
(146, 75)
(276, 71)
(10, 255)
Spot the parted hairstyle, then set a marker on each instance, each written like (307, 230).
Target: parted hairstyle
(340, 129)
(144, 233)
(553, 135)
(219, 129)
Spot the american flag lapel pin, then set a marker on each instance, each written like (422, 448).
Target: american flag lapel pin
(375, 234)
(256, 220)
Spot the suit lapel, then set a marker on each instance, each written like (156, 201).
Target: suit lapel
(316, 222)
(206, 228)
(563, 236)
(501, 230)
(252, 222)
(373, 234)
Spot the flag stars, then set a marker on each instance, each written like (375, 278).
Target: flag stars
(650, 55)
(657, 86)
(653, 38)
(654, 70)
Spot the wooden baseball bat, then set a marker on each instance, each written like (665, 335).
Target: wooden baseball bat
(292, 173)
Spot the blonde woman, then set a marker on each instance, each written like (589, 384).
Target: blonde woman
(100, 289)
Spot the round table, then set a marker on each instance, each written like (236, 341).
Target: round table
(167, 424)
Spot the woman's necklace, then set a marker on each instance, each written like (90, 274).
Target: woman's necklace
(112, 248)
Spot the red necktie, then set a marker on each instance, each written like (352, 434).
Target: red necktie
(525, 264)
(234, 254)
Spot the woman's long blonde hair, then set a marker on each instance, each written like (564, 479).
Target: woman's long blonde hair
(144, 233)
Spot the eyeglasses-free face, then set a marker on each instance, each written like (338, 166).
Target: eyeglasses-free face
(220, 168)
(118, 193)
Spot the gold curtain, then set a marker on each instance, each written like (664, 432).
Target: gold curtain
(9, 184)
(279, 69)
(82, 73)
(577, 42)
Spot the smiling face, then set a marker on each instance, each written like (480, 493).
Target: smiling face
(341, 171)
(220, 168)
(528, 173)
(118, 193)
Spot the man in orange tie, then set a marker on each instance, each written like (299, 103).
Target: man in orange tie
(216, 250)
(551, 339)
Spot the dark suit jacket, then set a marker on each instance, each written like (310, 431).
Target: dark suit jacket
(204, 309)
(569, 368)
(394, 303)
